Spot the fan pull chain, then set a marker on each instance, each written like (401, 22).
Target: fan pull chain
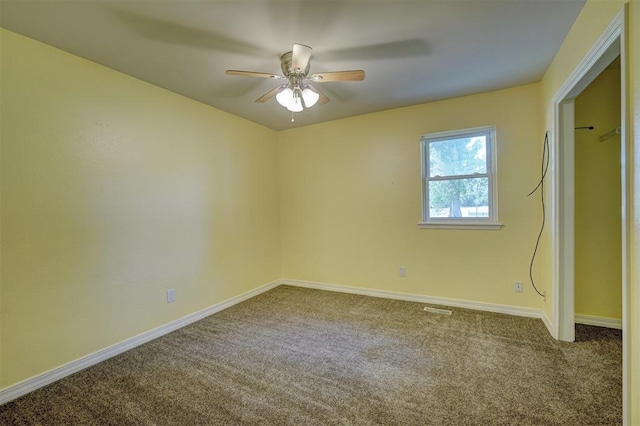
(292, 119)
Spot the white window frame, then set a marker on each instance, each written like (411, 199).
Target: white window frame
(490, 222)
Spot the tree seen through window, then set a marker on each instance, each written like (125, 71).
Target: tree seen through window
(458, 185)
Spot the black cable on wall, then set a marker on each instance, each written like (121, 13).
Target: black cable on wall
(540, 186)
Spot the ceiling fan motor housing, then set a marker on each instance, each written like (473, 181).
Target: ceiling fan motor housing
(287, 69)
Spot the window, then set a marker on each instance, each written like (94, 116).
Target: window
(458, 179)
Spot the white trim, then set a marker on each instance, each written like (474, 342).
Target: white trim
(626, 150)
(19, 389)
(547, 322)
(443, 301)
(460, 225)
(491, 174)
(599, 321)
(12, 392)
(593, 63)
(566, 228)
(459, 132)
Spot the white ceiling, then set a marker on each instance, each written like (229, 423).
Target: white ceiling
(412, 51)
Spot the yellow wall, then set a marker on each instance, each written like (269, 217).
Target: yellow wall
(113, 191)
(598, 239)
(351, 201)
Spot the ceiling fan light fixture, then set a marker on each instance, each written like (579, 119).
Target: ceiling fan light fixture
(295, 103)
(310, 97)
(295, 106)
(285, 97)
(296, 95)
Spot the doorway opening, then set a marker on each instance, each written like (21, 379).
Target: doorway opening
(610, 45)
(597, 224)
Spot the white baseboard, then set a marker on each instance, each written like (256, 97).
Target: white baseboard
(599, 321)
(467, 304)
(48, 377)
(12, 392)
(547, 322)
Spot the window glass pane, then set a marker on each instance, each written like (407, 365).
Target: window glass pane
(459, 198)
(463, 156)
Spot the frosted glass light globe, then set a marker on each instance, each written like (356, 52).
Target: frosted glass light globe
(310, 97)
(284, 98)
(295, 105)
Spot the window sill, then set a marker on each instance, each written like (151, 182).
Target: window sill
(495, 226)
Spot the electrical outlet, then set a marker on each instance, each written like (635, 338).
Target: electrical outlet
(171, 295)
(517, 287)
(402, 271)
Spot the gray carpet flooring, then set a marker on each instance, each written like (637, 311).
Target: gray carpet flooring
(295, 356)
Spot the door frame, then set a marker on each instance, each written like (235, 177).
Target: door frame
(610, 44)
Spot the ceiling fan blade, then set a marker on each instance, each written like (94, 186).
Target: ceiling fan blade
(323, 98)
(271, 93)
(254, 74)
(178, 34)
(413, 48)
(300, 57)
(353, 75)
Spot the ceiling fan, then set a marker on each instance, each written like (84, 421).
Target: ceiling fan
(298, 92)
